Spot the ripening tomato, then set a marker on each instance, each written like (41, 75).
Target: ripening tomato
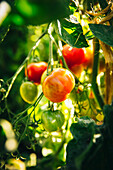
(72, 55)
(52, 120)
(89, 55)
(28, 92)
(77, 69)
(34, 71)
(58, 85)
(44, 75)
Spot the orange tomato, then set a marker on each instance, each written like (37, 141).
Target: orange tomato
(57, 86)
(77, 69)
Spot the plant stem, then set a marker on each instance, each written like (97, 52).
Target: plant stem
(18, 117)
(95, 72)
(51, 53)
(22, 65)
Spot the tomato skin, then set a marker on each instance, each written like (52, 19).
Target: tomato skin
(89, 56)
(28, 92)
(57, 86)
(77, 69)
(34, 71)
(52, 120)
(73, 56)
(44, 75)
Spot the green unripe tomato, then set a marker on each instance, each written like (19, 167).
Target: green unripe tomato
(52, 120)
(28, 92)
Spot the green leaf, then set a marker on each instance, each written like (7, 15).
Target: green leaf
(103, 32)
(79, 147)
(74, 149)
(83, 129)
(73, 7)
(108, 119)
(35, 12)
(71, 32)
(76, 153)
(86, 153)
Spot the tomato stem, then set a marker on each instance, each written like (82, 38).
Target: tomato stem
(23, 64)
(51, 53)
(18, 117)
(95, 72)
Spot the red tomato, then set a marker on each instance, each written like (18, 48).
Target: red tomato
(73, 56)
(34, 71)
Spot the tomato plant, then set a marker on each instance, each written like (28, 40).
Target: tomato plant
(58, 85)
(79, 94)
(68, 122)
(52, 120)
(34, 71)
(28, 92)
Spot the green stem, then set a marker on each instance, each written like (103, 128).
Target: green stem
(23, 64)
(18, 117)
(95, 73)
(51, 53)
(27, 122)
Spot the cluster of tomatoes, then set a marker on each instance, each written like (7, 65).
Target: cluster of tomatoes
(56, 84)
(56, 87)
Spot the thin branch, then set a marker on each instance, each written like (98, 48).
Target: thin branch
(22, 65)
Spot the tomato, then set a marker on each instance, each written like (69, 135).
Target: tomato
(34, 71)
(44, 75)
(89, 55)
(28, 92)
(77, 69)
(57, 86)
(52, 120)
(73, 56)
